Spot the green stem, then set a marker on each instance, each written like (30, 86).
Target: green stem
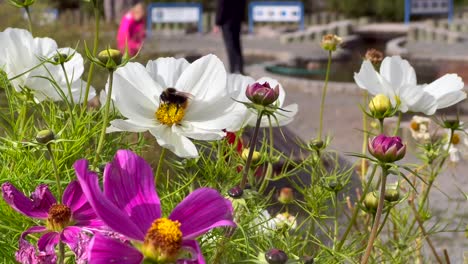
(378, 214)
(356, 209)
(95, 47)
(381, 122)
(57, 175)
(68, 86)
(160, 165)
(365, 138)
(383, 222)
(335, 235)
(61, 253)
(397, 127)
(324, 94)
(271, 138)
(253, 142)
(22, 116)
(28, 14)
(105, 120)
(431, 180)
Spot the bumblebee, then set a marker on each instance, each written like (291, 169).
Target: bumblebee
(172, 96)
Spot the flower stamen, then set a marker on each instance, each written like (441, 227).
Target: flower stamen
(163, 241)
(455, 139)
(170, 114)
(59, 217)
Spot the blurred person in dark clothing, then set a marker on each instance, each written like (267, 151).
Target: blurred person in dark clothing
(229, 16)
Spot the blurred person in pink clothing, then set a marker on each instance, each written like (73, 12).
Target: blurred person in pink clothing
(132, 30)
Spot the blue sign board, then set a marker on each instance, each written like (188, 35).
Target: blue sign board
(276, 12)
(175, 13)
(428, 7)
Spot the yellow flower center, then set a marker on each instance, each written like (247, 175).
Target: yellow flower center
(170, 113)
(455, 139)
(163, 241)
(59, 217)
(415, 126)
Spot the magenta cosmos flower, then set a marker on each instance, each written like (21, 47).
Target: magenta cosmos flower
(387, 149)
(262, 94)
(64, 222)
(130, 206)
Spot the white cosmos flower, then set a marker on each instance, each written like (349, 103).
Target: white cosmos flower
(397, 80)
(419, 128)
(239, 83)
(458, 148)
(21, 54)
(210, 107)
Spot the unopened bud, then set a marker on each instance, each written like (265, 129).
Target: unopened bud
(380, 105)
(110, 54)
(235, 192)
(374, 56)
(276, 256)
(45, 136)
(392, 195)
(371, 202)
(330, 42)
(262, 94)
(286, 195)
(255, 155)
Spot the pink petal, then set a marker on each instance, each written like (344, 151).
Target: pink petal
(82, 212)
(201, 211)
(27, 252)
(36, 207)
(110, 214)
(104, 250)
(78, 241)
(129, 184)
(48, 241)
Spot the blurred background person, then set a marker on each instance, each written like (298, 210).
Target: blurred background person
(132, 30)
(229, 16)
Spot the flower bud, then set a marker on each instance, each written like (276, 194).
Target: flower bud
(235, 192)
(262, 94)
(316, 144)
(380, 105)
(387, 149)
(286, 195)
(392, 195)
(276, 256)
(371, 202)
(61, 58)
(453, 124)
(45, 136)
(374, 56)
(108, 55)
(255, 155)
(330, 42)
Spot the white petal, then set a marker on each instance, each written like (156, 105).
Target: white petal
(131, 101)
(205, 79)
(283, 117)
(238, 83)
(180, 145)
(398, 72)
(138, 76)
(446, 90)
(44, 46)
(166, 71)
(199, 133)
(368, 79)
(127, 125)
(414, 98)
(74, 67)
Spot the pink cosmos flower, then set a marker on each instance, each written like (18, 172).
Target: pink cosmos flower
(64, 222)
(387, 149)
(262, 94)
(130, 206)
